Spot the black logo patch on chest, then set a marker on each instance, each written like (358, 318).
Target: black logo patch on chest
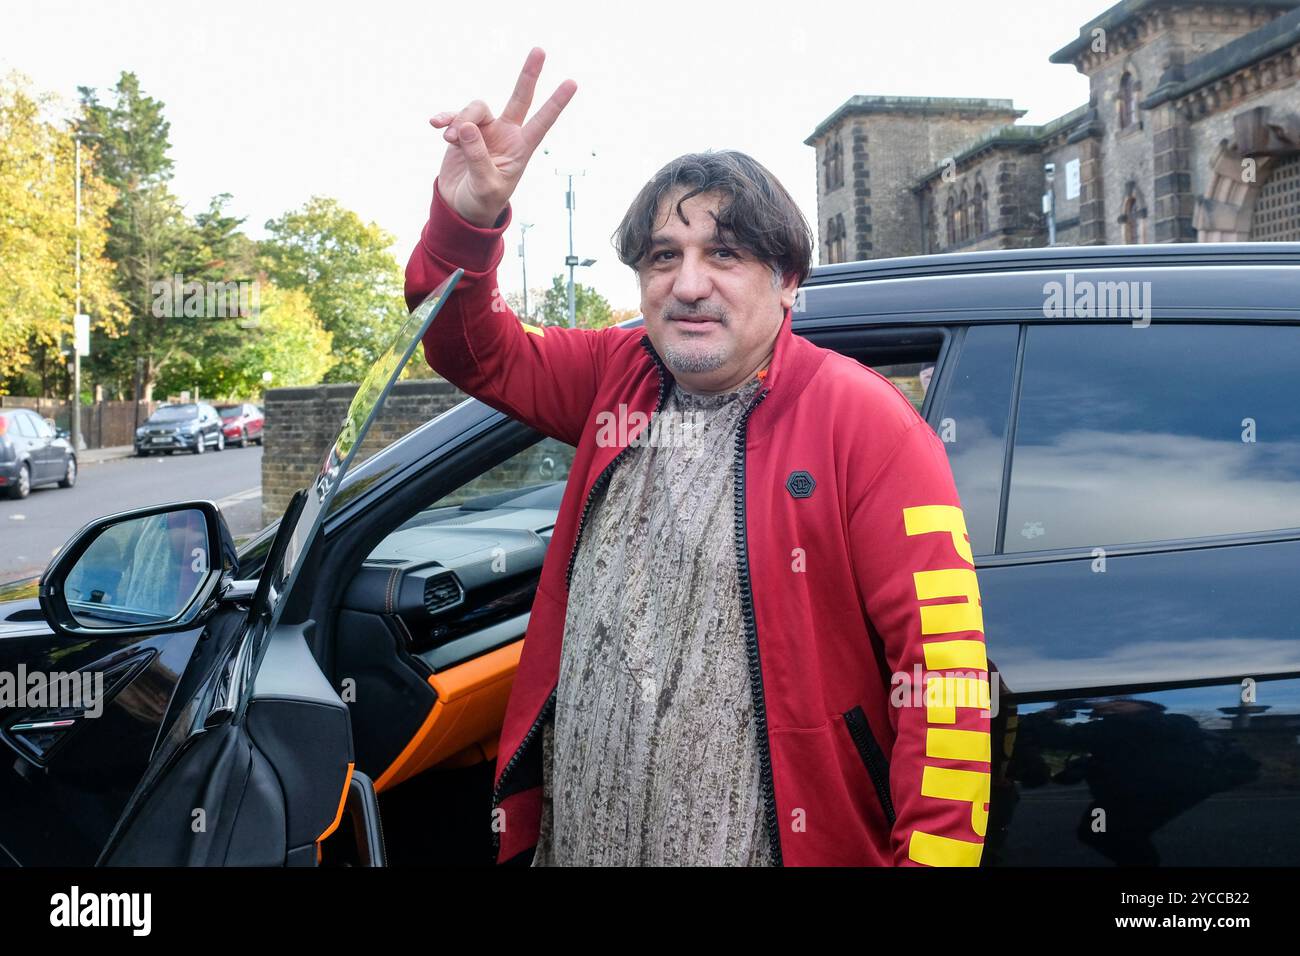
(800, 484)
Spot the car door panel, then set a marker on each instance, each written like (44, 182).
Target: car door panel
(63, 790)
(261, 790)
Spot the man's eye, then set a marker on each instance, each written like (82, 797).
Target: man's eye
(655, 257)
(728, 252)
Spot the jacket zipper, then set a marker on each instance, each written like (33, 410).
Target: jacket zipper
(547, 708)
(597, 487)
(751, 639)
(869, 750)
(602, 480)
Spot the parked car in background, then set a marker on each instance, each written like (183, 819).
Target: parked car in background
(33, 452)
(190, 426)
(242, 423)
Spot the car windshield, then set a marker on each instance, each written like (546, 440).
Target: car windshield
(233, 411)
(174, 413)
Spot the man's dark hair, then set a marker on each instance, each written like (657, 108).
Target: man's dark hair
(756, 212)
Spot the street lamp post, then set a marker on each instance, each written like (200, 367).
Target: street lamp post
(76, 338)
(571, 260)
(523, 234)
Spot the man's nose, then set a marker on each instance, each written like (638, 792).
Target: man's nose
(692, 282)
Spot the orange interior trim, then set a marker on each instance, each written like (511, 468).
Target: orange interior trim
(338, 817)
(465, 721)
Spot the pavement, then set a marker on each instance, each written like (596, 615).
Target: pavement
(90, 455)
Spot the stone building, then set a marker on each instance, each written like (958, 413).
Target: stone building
(1191, 133)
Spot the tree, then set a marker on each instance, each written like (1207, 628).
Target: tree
(38, 236)
(148, 235)
(535, 298)
(590, 309)
(344, 267)
(287, 340)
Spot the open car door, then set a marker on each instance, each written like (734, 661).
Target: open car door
(258, 769)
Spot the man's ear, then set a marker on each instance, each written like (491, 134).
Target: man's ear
(789, 289)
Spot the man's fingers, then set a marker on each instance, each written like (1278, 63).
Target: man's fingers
(476, 153)
(548, 113)
(522, 98)
(476, 112)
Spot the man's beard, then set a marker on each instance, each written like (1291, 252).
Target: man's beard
(688, 359)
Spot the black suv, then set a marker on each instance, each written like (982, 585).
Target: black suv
(1123, 427)
(191, 426)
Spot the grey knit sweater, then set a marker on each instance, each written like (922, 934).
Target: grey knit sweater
(652, 756)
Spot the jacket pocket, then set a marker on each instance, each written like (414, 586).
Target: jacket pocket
(872, 757)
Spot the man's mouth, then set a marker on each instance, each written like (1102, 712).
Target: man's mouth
(693, 319)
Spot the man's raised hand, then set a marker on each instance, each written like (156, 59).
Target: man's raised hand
(486, 156)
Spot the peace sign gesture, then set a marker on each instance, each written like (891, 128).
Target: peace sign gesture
(487, 156)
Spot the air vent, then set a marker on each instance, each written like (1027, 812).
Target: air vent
(442, 592)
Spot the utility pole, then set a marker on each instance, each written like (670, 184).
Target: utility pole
(523, 234)
(572, 260)
(76, 323)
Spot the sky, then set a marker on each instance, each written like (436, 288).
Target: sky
(274, 102)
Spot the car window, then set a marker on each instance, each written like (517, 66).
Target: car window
(973, 426)
(43, 428)
(530, 481)
(910, 378)
(25, 425)
(173, 413)
(1130, 434)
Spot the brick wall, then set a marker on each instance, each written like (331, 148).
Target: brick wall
(301, 423)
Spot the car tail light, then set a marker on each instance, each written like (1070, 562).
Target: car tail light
(4, 425)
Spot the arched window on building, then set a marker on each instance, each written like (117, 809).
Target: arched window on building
(980, 209)
(963, 222)
(1127, 100)
(950, 220)
(1133, 217)
(836, 240)
(834, 162)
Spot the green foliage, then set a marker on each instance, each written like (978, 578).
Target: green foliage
(286, 340)
(344, 267)
(590, 309)
(38, 235)
(149, 237)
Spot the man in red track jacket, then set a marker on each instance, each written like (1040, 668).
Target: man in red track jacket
(862, 622)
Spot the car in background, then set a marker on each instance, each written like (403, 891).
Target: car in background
(33, 452)
(242, 423)
(189, 426)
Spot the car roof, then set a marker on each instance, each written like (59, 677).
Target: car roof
(1222, 281)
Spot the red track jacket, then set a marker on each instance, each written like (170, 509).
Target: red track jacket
(862, 611)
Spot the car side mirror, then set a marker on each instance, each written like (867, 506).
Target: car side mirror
(62, 433)
(148, 571)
